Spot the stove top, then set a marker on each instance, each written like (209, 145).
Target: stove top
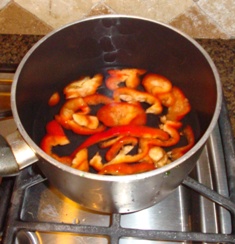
(32, 211)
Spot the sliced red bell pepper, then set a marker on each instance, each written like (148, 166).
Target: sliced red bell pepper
(121, 113)
(108, 143)
(126, 169)
(96, 162)
(180, 151)
(167, 99)
(129, 76)
(49, 141)
(158, 156)
(96, 99)
(80, 161)
(55, 136)
(115, 148)
(70, 107)
(127, 158)
(125, 130)
(54, 99)
(83, 87)
(173, 132)
(132, 96)
(82, 130)
(156, 84)
(54, 128)
(180, 107)
(171, 128)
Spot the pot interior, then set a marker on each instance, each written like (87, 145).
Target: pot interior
(95, 45)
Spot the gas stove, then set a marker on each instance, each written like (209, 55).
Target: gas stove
(201, 209)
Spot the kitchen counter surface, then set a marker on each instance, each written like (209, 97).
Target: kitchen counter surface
(14, 47)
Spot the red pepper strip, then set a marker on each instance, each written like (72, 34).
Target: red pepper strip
(156, 84)
(121, 113)
(110, 142)
(167, 99)
(81, 130)
(49, 141)
(97, 99)
(125, 158)
(70, 107)
(81, 161)
(54, 128)
(55, 136)
(171, 128)
(54, 99)
(173, 124)
(126, 169)
(96, 162)
(132, 95)
(125, 130)
(174, 135)
(115, 148)
(180, 107)
(158, 156)
(88, 121)
(68, 110)
(178, 152)
(130, 76)
(83, 87)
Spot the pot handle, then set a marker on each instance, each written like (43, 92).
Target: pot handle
(15, 154)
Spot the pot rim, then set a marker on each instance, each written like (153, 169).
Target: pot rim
(122, 178)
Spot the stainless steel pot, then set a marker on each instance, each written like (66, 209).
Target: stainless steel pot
(85, 47)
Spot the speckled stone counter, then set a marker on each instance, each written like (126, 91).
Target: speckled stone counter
(14, 47)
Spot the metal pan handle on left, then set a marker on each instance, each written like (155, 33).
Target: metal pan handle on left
(15, 154)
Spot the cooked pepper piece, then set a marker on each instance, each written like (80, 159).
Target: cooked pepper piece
(96, 99)
(54, 128)
(70, 107)
(54, 99)
(123, 157)
(81, 160)
(116, 147)
(132, 96)
(110, 142)
(180, 151)
(171, 128)
(74, 116)
(156, 84)
(89, 121)
(55, 136)
(120, 113)
(83, 87)
(180, 107)
(126, 169)
(82, 130)
(125, 130)
(158, 156)
(167, 99)
(129, 76)
(96, 162)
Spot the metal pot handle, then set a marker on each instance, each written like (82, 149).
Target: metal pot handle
(15, 154)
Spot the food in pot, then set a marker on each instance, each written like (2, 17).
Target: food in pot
(119, 126)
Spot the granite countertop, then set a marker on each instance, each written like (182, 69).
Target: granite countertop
(14, 47)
